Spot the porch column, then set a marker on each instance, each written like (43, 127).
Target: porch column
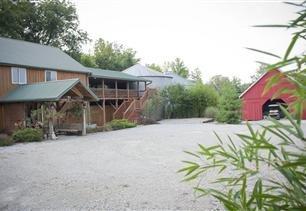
(137, 88)
(103, 93)
(116, 87)
(145, 85)
(104, 117)
(128, 89)
(51, 134)
(84, 105)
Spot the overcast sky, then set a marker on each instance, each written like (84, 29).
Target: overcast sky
(208, 34)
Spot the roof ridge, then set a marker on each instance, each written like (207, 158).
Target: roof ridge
(34, 43)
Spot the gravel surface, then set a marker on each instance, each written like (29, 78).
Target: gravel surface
(131, 169)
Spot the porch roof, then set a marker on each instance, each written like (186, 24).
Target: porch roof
(111, 74)
(48, 91)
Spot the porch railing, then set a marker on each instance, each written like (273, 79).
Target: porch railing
(113, 94)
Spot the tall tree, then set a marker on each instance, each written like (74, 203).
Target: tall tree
(154, 66)
(48, 22)
(88, 60)
(113, 56)
(196, 75)
(259, 72)
(218, 82)
(178, 66)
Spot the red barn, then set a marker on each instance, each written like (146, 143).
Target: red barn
(255, 105)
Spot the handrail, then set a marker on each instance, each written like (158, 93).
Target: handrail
(129, 110)
(119, 112)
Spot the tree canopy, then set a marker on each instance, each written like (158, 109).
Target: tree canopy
(154, 66)
(113, 56)
(48, 22)
(178, 66)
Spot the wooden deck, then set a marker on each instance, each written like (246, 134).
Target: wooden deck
(115, 93)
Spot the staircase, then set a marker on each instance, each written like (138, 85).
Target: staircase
(131, 109)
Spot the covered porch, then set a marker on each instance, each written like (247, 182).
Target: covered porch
(110, 85)
(55, 106)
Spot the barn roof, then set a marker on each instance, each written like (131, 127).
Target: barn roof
(143, 71)
(111, 74)
(28, 54)
(46, 91)
(254, 83)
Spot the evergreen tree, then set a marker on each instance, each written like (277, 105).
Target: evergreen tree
(229, 106)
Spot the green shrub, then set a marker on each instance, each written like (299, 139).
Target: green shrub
(6, 141)
(229, 107)
(211, 112)
(28, 135)
(118, 124)
(153, 110)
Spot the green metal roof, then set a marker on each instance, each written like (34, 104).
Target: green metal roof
(42, 92)
(110, 74)
(28, 54)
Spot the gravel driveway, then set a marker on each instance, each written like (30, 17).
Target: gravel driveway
(127, 169)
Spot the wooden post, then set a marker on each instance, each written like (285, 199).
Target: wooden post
(128, 89)
(116, 87)
(137, 88)
(103, 94)
(145, 85)
(84, 119)
(51, 134)
(42, 114)
(104, 117)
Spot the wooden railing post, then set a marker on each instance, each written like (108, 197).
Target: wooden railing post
(103, 94)
(128, 89)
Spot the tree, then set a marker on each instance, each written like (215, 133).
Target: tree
(239, 86)
(178, 66)
(156, 67)
(87, 60)
(196, 75)
(218, 82)
(113, 56)
(229, 106)
(259, 72)
(202, 96)
(46, 22)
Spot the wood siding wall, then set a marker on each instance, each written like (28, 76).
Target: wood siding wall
(10, 114)
(34, 76)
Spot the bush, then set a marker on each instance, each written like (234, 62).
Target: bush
(202, 96)
(211, 112)
(118, 124)
(28, 135)
(181, 102)
(229, 107)
(6, 141)
(153, 110)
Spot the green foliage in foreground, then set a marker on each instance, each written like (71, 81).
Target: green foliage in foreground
(118, 124)
(267, 171)
(257, 175)
(28, 135)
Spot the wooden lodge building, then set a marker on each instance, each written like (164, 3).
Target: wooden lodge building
(33, 76)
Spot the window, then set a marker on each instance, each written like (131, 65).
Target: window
(19, 75)
(50, 75)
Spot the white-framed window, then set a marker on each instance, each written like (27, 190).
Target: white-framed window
(50, 75)
(19, 75)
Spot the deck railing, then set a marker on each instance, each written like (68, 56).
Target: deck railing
(113, 94)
